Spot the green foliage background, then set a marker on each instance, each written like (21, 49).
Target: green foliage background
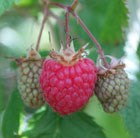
(107, 20)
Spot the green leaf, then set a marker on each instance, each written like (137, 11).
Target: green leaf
(106, 120)
(116, 19)
(131, 114)
(117, 51)
(10, 123)
(105, 19)
(5, 4)
(26, 2)
(51, 125)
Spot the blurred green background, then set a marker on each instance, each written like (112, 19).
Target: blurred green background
(115, 24)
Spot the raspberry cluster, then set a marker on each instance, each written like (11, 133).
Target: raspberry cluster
(67, 79)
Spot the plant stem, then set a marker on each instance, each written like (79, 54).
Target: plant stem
(59, 5)
(71, 10)
(67, 29)
(100, 51)
(42, 26)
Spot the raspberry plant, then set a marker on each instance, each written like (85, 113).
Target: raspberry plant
(62, 115)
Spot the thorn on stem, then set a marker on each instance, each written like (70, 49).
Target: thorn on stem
(50, 40)
(74, 5)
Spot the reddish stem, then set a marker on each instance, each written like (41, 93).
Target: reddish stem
(42, 26)
(67, 29)
(71, 10)
(59, 5)
(100, 51)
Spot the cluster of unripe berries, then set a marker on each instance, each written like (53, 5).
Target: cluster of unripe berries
(67, 80)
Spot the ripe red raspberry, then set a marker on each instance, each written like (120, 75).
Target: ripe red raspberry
(68, 81)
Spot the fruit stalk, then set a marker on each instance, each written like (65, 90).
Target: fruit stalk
(67, 29)
(71, 9)
(100, 51)
(42, 25)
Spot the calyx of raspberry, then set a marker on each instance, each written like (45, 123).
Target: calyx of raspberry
(33, 55)
(114, 63)
(68, 56)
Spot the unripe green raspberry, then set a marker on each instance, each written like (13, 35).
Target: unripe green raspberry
(112, 88)
(28, 75)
